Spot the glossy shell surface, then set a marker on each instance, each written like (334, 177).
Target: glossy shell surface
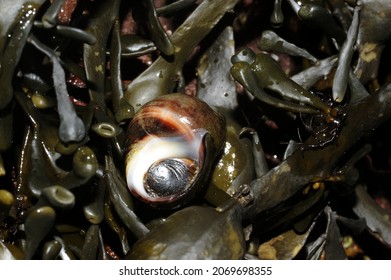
(171, 143)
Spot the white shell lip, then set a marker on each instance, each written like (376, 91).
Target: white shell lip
(152, 148)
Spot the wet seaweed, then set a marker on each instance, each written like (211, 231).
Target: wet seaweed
(302, 88)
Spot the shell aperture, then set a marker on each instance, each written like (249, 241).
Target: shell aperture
(148, 164)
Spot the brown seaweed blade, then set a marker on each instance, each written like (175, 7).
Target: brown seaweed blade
(161, 77)
(303, 166)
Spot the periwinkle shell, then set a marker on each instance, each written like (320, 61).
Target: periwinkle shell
(176, 137)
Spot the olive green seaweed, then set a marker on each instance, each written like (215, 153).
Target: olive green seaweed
(161, 77)
(275, 118)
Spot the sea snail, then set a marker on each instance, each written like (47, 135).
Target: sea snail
(172, 143)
